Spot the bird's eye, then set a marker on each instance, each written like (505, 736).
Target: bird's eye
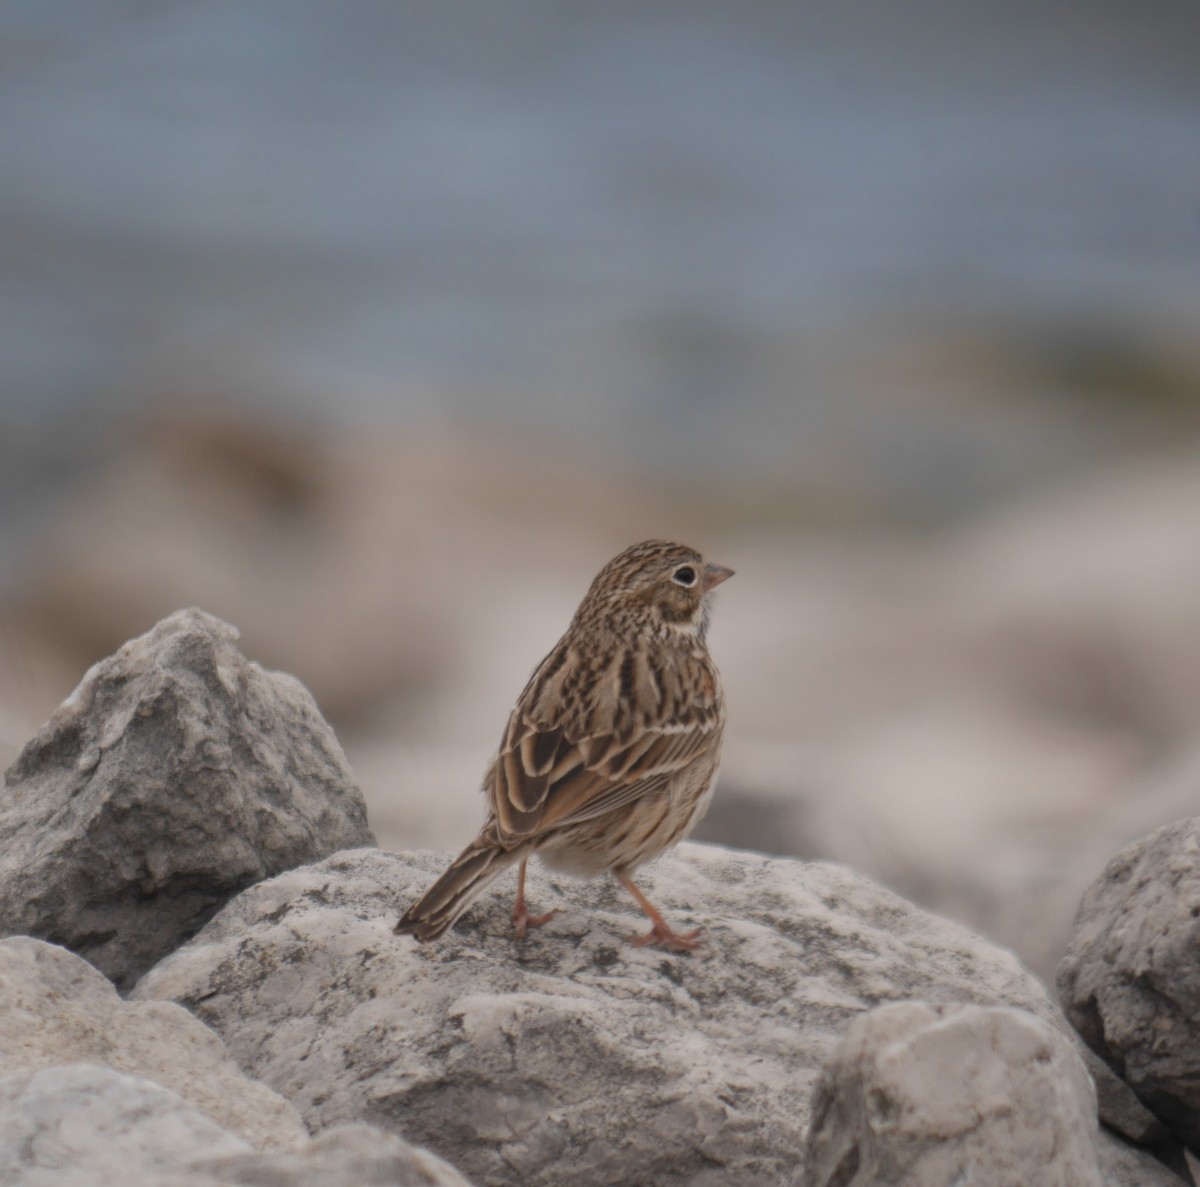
(684, 575)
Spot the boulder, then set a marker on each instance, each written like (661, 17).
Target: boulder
(1130, 981)
(932, 1096)
(78, 1125)
(571, 1056)
(175, 775)
(348, 1156)
(1124, 1165)
(56, 1009)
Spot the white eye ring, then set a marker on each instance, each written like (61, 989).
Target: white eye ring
(685, 575)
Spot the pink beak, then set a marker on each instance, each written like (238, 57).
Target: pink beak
(714, 575)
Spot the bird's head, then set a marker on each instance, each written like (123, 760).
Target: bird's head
(655, 587)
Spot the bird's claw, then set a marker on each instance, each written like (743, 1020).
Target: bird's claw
(663, 936)
(522, 920)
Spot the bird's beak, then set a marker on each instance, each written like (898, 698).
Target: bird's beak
(714, 575)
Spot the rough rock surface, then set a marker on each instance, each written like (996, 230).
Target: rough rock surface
(572, 1056)
(932, 1096)
(78, 1125)
(56, 1009)
(175, 775)
(1123, 1165)
(1130, 981)
(349, 1156)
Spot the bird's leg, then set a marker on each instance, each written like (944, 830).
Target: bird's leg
(520, 912)
(661, 933)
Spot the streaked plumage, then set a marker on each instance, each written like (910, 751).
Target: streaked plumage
(611, 751)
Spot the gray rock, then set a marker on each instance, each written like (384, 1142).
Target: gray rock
(1123, 1165)
(933, 1096)
(175, 775)
(572, 1056)
(81, 1126)
(78, 1125)
(349, 1156)
(1130, 981)
(56, 1009)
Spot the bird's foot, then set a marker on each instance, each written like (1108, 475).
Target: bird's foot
(662, 935)
(522, 920)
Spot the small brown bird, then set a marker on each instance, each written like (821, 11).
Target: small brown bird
(611, 752)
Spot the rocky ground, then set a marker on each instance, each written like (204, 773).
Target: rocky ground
(187, 821)
(977, 716)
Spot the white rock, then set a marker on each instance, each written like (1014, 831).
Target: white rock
(934, 1096)
(572, 1056)
(56, 1009)
(84, 1126)
(348, 1156)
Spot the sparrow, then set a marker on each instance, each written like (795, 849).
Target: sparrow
(610, 754)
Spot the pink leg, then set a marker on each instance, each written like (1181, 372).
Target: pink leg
(520, 912)
(661, 933)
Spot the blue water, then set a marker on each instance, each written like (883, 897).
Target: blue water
(582, 216)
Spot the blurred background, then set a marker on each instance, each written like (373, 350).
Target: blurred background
(376, 327)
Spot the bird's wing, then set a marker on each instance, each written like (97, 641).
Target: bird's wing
(543, 779)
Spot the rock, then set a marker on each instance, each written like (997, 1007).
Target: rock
(56, 1009)
(1123, 1165)
(349, 1156)
(175, 775)
(572, 1056)
(931, 1096)
(988, 699)
(79, 1125)
(1034, 908)
(168, 1108)
(1130, 981)
(1045, 655)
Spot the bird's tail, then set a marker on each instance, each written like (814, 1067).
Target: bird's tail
(467, 876)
